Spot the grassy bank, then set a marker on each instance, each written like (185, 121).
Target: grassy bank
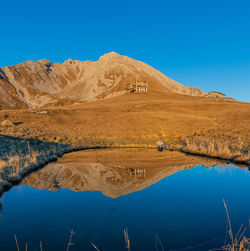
(19, 157)
(26, 156)
(205, 126)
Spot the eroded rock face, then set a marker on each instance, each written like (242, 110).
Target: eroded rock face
(41, 83)
(113, 172)
(215, 95)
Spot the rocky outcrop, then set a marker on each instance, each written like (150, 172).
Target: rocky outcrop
(215, 95)
(7, 123)
(41, 83)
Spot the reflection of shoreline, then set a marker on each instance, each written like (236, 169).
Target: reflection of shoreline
(113, 172)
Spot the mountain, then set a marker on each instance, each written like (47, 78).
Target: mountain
(113, 172)
(35, 84)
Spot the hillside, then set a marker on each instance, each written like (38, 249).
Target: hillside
(203, 125)
(37, 84)
(185, 118)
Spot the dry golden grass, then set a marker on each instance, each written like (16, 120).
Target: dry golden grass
(15, 163)
(201, 125)
(2, 164)
(237, 243)
(126, 237)
(243, 245)
(17, 154)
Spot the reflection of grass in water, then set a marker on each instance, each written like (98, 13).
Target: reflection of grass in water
(237, 243)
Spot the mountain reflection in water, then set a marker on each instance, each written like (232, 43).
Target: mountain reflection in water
(185, 209)
(114, 173)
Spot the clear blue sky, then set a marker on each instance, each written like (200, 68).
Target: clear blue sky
(201, 43)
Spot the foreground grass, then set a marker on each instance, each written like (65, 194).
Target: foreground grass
(19, 157)
(237, 243)
(240, 243)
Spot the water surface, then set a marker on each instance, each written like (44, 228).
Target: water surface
(100, 192)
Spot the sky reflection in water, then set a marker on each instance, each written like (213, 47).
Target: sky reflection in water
(184, 209)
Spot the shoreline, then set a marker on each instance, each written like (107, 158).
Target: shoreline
(41, 162)
(230, 160)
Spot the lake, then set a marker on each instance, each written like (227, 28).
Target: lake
(167, 198)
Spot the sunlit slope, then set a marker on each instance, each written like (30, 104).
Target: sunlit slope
(41, 83)
(203, 125)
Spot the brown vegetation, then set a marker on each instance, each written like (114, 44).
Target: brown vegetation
(218, 128)
(19, 157)
(195, 122)
(237, 243)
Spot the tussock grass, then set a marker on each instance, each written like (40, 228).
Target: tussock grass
(2, 164)
(70, 243)
(216, 128)
(215, 146)
(127, 241)
(238, 242)
(94, 246)
(19, 157)
(15, 163)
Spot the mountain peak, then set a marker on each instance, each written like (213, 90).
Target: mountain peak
(45, 61)
(37, 84)
(68, 61)
(109, 55)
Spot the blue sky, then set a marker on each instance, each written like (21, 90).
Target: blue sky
(200, 43)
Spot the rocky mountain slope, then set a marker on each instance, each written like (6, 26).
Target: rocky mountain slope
(37, 84)
(113, 172)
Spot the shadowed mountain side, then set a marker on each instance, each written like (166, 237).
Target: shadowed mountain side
(113, 172)
(41, 83)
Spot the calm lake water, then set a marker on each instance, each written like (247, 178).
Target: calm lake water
(99, 193)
